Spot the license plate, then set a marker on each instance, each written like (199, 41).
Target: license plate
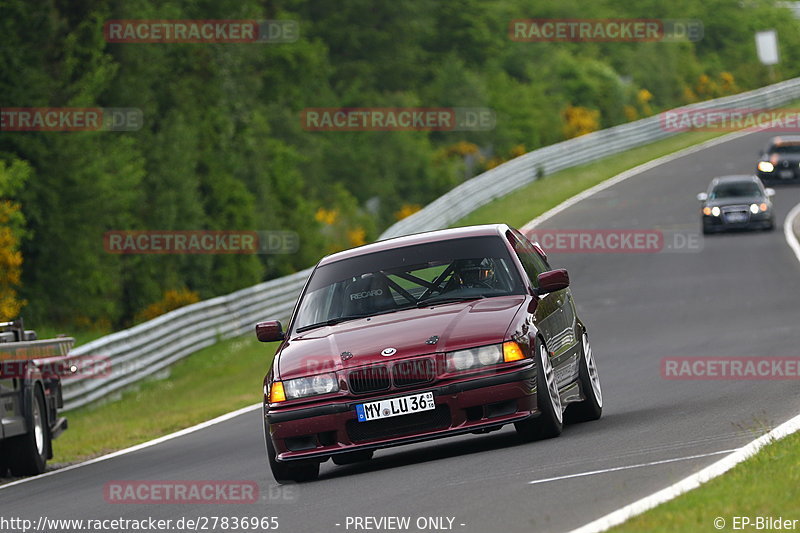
(404, 405)
(736, 217)
(786, 174)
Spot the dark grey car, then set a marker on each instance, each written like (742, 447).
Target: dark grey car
(736, 202)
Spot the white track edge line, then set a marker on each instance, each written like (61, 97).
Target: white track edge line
(629, 467)
(159, 440)
(691, 482)
(788, 231)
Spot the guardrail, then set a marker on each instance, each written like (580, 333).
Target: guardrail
(151, 346)
(146, 348)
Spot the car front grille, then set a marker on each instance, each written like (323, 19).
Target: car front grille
(369, 379)
(736, 213)
(736, 209)
(397, 426)
(413, 372)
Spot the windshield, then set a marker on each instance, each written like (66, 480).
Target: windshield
(785, 149)
(407, 277)
(735, 189)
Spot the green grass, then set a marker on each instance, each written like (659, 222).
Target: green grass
(767, 484)
(526, 203)
(209, 383)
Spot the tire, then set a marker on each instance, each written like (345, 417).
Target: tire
(591, 408)
(352, 457)
(28, 453)
(295, 472)
(551, 420)
(3, 461)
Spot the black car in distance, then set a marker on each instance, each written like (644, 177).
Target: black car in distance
(736, 202)
(780, 160)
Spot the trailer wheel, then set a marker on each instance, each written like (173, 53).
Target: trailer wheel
(28, 453)
(3, 461)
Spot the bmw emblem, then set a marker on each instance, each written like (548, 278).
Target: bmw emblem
(387, 352)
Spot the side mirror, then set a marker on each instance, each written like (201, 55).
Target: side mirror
(269, 331)
(702, 197)
(770, 192)
(552, 281)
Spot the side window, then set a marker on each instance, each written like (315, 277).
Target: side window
(531, 261)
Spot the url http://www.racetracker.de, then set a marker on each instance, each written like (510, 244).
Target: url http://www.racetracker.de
(199, 523)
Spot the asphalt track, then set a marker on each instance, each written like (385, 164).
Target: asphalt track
(737, 296)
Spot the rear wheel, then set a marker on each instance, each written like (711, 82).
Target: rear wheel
(296, 472)
(550, 422)
(352, 457)
(592, 406)
(28, 453)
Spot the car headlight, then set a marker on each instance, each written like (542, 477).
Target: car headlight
(293, 389)
(483, 356)
(754, 208)
(766, 166)
(715, 211)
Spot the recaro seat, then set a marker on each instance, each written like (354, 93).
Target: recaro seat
(367, 295)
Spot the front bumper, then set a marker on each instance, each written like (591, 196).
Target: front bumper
(780, 175)
(757, 221)
(475, 405)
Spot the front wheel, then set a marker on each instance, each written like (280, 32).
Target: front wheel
(295, 472)
(592, 406)
(28, 453)
(550, 422)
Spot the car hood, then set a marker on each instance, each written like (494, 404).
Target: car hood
(410, 332)
(739, 200)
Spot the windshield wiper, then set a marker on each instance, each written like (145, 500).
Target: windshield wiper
(448, 299)
(332, 322)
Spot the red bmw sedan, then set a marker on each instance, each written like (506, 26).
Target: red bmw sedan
(421, 337)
